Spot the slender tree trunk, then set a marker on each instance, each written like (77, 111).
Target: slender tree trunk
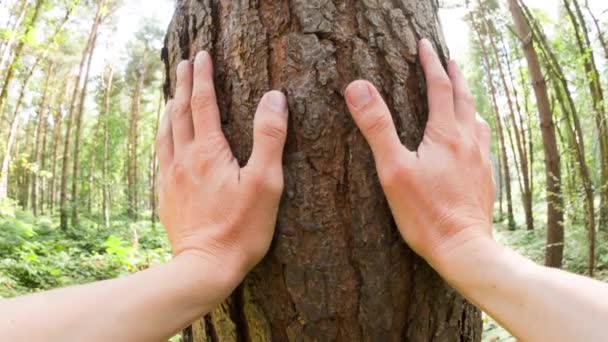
(13, 130)
(597, 96)
(575, 130)
(5, 53)
(58, 123)
(555, 214)
(41, 120)
(80, 85)
(598, 28)
(132, 169)
(338, 269)
(105, 205)
(519, 148)
(499, 125)
(8, 77)
(42, 158)
(26, 159)
(132, 172)
(77, 138)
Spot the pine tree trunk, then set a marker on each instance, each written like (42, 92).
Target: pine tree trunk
(499, 125)
(78, 133)
(132, 172)
(41, 121)
(575, 130)
(72, 116)
(8, 77)
(597, 97)
(338, 269)
(518, 147)
(7, 47)
(105, 205)
(555, 203)
(57, 125)
(13, 130)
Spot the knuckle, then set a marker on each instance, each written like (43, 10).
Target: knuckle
(179, 173)
(202, 99)
(377, 122)
(393, 174)
(266, 182)
(180, 109)
(273, 129)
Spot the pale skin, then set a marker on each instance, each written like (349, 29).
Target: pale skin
(217, 242)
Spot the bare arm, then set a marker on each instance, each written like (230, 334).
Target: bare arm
(219, 218)
(442, 198)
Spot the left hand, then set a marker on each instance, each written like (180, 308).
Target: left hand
(211, 207)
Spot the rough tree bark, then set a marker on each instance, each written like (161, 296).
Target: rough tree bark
(555, 202)
(338, 269)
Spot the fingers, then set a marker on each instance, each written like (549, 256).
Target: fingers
(374, 119)
(439, 86)
(269, 132)
(205, 112)
(181, 116)
(164, 139)
(464, 105)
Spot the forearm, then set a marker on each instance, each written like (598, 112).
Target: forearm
(148, 306)
(534, 303)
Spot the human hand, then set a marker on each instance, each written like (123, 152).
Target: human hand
(209, 205)
(442, 196)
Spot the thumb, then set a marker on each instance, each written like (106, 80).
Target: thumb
(269, 133)
(374, 119)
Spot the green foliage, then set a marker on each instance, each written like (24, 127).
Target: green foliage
(35, 255)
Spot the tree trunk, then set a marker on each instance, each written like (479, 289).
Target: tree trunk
(132, 171)
(18, 50)
(13, 130)
(600, 34)
(574, 126)
(519, 153)
(72, 114)
(7, 47)
(41, 120)
(77, 136)
(499, 124)
(105, 205)
(57, 124)
(555, 214)
(597, 97)
(338, 269)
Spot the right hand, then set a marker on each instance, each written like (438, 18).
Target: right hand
(442, 196)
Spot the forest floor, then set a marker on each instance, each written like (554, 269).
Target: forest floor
(35, 255)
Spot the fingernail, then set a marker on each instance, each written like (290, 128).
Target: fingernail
(181, 67)
(202, 58)
(277, 101)
(359, 94)
(427, 45)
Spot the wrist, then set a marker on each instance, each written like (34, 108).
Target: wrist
(210, 279)
(464, 253)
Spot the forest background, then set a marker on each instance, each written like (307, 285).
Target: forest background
(80, 100)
